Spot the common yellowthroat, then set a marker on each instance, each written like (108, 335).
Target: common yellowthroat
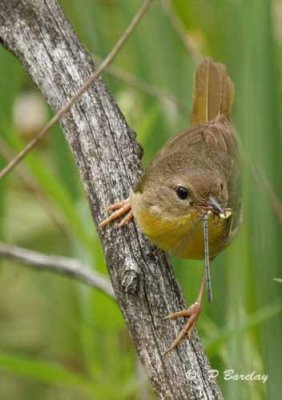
(188, 199)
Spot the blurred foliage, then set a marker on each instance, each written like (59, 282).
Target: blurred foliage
(60, 339)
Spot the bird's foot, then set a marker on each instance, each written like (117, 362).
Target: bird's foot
(193, 313)
(119, 209)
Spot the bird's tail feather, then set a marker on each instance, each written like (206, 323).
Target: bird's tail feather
(213, 92)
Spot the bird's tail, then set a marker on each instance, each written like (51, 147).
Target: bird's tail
(213, 92)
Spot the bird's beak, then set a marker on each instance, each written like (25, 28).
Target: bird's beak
(217, 207)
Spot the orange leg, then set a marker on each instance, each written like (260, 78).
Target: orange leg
(193, 312)
(120, 209)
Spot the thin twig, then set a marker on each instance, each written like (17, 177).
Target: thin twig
(186, 39)
(93, 77)
(57, 264)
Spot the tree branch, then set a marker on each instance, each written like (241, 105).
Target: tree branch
(108, 159)
(57, 264)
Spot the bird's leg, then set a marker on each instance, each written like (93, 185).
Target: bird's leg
(119, 209)
(193, 312)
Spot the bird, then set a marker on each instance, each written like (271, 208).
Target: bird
(188, 200)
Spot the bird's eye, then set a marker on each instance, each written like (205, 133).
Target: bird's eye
(182, 192)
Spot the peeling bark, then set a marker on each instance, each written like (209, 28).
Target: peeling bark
(108, 158)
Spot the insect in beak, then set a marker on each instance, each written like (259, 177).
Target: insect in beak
(205, 219)
(217, 207)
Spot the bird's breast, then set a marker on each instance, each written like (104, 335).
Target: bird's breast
(183, 236)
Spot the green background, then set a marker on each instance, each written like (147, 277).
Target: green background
(62, 340)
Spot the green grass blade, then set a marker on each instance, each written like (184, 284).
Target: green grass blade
(57, 192)
(261, 315)
(42, 371)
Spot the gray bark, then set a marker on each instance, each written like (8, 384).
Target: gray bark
(108, 159)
